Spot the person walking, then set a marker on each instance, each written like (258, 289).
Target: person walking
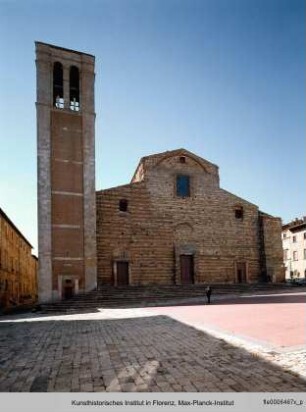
(208, 291)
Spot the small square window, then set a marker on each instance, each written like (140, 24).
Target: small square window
(123, 205)
(239, 213)
(182, 159)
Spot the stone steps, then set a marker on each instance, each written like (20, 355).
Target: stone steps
(111, 297)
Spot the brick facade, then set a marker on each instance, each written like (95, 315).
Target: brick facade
(66, 172)
(209, 235)
(18, 267)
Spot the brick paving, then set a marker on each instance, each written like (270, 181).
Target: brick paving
(138, 350)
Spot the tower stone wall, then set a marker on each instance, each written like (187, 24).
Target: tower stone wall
(66, 172)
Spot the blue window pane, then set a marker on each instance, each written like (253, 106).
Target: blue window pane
(182, 186)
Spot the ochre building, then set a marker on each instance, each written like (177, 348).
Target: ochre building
(173, 224)
(18, 267)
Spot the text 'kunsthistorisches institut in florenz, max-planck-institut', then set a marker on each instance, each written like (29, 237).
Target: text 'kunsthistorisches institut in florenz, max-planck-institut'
(171, 225)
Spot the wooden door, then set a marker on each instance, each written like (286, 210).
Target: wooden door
(187, 269)
(68, 289)
(241, 272)
(122, 273)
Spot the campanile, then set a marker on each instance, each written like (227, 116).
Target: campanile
(66, 172)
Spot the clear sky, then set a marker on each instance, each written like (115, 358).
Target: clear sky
(224, 79)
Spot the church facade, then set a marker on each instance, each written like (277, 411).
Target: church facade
(171, 225)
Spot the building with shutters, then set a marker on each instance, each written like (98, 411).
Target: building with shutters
(174, 224)
(294, 249)
(18, 267)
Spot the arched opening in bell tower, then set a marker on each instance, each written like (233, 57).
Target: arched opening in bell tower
(74, 81)
(58, 89)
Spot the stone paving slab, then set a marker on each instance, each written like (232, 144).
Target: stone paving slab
(133, 350)
(278, 321)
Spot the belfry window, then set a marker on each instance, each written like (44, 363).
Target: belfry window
(74, 81)
(58, 92)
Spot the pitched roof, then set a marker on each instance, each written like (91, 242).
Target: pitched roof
(5, 216)
(169, 153)
(295, 225)
(63, 48)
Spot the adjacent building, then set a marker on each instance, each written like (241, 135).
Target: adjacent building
(18, 267)
(174, 224)
(294, 249)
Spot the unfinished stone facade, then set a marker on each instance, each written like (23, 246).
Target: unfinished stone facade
(18, 267)
(66, 172)
(173, 224)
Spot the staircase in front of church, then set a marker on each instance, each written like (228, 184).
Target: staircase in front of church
(144, 296)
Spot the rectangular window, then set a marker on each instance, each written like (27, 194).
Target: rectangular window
(123, 205)
(239, 212)
(294, 239)
(295, 255)
(183, 186)
(286, 254)
(304, 235)
(304, 253)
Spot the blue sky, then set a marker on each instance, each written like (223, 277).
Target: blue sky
(224, 79)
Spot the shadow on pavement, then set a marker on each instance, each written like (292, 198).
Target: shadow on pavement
(152, 353)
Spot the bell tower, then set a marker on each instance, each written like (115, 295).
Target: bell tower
(66, 172)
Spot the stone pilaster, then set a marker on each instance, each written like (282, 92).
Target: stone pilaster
(43, 169)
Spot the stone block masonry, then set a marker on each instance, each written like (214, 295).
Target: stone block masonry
(207, 236)
(172, 224)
